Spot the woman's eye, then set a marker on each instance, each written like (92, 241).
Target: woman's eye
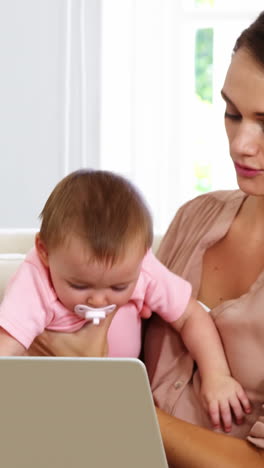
(229, 115)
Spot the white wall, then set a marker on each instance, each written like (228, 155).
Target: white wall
(49, 59)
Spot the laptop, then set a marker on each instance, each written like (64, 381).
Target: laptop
(77, 413)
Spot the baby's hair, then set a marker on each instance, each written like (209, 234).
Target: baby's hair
(104, 209)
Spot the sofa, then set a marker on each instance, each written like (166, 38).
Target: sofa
(14, 244)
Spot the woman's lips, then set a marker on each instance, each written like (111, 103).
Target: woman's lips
(245, 171)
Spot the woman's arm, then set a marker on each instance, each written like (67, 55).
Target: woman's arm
(190, 446)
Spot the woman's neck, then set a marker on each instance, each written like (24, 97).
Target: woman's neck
(251, 216)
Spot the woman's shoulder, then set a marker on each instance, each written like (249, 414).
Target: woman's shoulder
(216, 198)
(210, 212)
(209, 206)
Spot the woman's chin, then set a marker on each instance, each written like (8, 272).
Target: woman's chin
(251, 186)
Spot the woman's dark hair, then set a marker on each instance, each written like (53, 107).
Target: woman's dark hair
(252, 39)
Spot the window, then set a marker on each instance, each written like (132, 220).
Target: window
(163, 66)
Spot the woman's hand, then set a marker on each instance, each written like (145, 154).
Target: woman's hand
(89, 341)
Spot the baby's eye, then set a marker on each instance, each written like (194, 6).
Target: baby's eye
(119, 288)
(261, 123)
(78, 286)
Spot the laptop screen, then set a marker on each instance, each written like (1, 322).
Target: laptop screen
(76, 413)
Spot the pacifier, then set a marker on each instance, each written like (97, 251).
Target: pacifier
(93, 313)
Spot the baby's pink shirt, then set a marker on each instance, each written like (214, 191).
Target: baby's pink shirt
(30, 305)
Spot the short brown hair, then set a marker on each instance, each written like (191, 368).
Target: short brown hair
(252, 39)
(102, 208)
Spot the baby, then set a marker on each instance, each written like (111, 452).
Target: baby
(92, 256)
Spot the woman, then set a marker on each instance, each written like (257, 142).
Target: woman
(217, 243)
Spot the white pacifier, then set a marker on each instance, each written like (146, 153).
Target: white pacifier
(93, 313)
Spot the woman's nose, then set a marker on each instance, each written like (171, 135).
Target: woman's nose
(245, 140)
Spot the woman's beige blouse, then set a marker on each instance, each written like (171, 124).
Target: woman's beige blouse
(240, 322)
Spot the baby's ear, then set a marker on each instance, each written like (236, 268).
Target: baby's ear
(42, 250)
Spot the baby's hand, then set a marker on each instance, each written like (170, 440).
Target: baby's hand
(223, 397)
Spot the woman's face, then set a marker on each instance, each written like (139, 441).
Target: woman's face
(243, 92)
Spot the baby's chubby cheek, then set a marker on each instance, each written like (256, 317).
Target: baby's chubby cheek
(70, 299)
(126, 296)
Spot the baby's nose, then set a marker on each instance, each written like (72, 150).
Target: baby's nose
(97, 300)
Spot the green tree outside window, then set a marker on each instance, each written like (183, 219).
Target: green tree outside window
(204, 3)
(204, 63)
(204, 96)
